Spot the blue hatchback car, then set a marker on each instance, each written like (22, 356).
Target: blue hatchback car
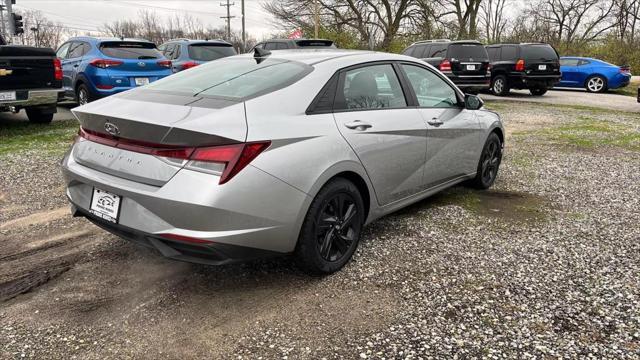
(592, 74)
(97, 67)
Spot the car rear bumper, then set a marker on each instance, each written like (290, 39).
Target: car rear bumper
(255, 211)
(209, 254)
(471, 81)
(34, 97)
(523, 81)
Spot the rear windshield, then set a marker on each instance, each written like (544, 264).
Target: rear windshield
(208, 52)
(234, 78)
(538, 52)
(466, 51)
(130, 50)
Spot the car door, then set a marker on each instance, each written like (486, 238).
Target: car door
(66, 79)
(585, 69)
(72, 62)
(570, 72)
(388, 137)
(453, 133)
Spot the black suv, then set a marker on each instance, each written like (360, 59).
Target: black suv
(523, 66)
(466, 62)
(284, 44)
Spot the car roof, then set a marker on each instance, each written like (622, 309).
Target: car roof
(579, 58)
(103, 39)
(342, 57)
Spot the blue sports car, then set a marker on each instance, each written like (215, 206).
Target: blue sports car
(592, 74)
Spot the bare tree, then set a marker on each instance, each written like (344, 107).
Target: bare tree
(493, 19)
(465, 13)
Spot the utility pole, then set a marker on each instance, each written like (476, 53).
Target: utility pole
(228, 17)
(244, 38)
(4, 29)
(316, 16)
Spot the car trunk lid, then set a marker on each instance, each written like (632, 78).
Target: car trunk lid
(468, 59)
(144, 137)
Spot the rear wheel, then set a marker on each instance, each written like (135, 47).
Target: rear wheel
(83, 95)
(500, 86)
(538, 91)
(331, 229)
(596, 84)
(38, 116)
(489, 163)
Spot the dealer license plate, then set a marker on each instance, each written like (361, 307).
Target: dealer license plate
(105, 205)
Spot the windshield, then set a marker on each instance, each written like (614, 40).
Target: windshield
(237, 78)
(130, 50)
(539, 52)
(208, 52)
(467, 51)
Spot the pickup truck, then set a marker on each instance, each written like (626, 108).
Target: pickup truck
(30, 79)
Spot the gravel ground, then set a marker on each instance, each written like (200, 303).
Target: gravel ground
(545, 264)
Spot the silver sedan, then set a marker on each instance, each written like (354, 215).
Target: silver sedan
(290, 152)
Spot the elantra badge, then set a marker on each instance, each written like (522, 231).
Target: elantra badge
(112, 128)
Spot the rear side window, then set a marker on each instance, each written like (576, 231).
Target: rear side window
(422, 51)
(234, 78)
(467, 51)
(437, 50)
(130, 50)
(569, 62)
(270, 46)
(371, 87)
(509, 53)
(409, 51)
(494, 53)
(208, 52)
(282, 46)
(539, 52)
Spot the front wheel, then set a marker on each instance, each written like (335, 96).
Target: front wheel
(331, 229)
(38, 116)
(489, 163)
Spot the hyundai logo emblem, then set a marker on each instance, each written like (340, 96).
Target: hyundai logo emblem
(111, 128)
(142, 64)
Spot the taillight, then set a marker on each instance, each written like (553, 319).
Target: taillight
(104, 87)
(489, 67)
(165, 63)
(445, 65)
(105, 63)
(189, 65)
(223, 160)
(520, 65)
(57, 69)
(230, 158)
(625, 70)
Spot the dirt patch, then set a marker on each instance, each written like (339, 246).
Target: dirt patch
(36, 219)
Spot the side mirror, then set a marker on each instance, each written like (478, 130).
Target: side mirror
(472, 102)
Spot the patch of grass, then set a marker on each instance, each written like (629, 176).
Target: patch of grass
(53, 139)
(588, 132)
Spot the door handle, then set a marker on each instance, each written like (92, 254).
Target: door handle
(76, 65)
(435, 122)
(358, 125)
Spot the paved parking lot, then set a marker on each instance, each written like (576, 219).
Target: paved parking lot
(546, 264)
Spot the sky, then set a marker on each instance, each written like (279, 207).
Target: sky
(84, 15)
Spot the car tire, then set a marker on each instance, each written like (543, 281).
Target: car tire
(596, 84)
(83, 95)
(538, 91)
(37, 116)
(489, 163)
(500, 86)
(331, 229)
